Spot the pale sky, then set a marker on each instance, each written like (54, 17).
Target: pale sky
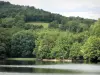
(83, 8)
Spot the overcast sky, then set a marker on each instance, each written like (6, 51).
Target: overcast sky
(82, 8)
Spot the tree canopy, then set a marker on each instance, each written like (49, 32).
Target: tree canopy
(64, 37)
(22, 44)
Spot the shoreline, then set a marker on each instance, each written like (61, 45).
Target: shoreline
(34, 59)
(57, 60)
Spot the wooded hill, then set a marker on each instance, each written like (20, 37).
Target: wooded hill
(33, 14)
(64, 37)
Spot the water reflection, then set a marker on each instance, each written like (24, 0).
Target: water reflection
(44, 68)
(2, 73)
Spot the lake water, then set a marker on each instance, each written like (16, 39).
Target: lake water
(47, 68)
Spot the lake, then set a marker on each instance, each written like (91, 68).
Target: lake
(48, 68)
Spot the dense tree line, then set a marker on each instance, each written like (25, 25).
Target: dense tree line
(65, 37)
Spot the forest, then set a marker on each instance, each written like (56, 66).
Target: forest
(63, 37)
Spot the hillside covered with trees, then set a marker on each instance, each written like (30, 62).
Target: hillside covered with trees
(64, 37)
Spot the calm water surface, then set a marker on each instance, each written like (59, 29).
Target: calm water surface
(47, 68)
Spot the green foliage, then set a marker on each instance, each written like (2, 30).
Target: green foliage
(50, 44)
(4, 3)
(75, 50)
(44, 44)
(33, 27)
(95, 29)
(74, 26)
(81, 37)
(54, 24)
(32, 14)
(22, 44)
(2, 50)
(19, 20)
(64, 42)
(11, 22)
(91, 48)
(7, 22)
(44, 24)
(25, 29)
(62, 27)
(5, 38)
